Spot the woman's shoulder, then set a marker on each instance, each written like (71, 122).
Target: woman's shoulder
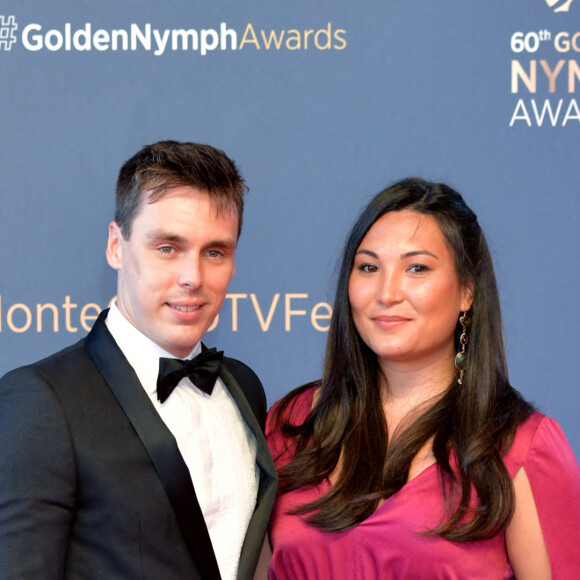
(290, 410)
(293, 407)
(539, 439)
(541, 449)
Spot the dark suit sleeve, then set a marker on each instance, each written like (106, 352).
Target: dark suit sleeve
(37, 479)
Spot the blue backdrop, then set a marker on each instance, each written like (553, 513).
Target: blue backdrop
(322, 105)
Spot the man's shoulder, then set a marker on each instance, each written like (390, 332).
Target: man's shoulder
(242, 372)
(250, 385)
(69, 360)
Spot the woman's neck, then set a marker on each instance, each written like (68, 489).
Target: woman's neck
(408, 389)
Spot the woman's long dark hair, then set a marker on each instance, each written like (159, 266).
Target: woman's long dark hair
(475, 421)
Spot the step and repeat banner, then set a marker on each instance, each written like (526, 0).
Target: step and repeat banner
(321, 104)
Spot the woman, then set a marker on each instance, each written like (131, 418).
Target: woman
(414, 457)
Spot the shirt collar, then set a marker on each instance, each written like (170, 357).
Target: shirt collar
(139, 350)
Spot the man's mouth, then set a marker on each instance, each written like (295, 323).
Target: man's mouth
(185, 308)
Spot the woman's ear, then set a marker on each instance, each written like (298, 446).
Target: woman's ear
(467, 295)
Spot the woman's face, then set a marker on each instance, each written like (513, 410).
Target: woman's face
(404, 291)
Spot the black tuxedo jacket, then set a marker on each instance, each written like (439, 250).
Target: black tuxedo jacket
(92, 484)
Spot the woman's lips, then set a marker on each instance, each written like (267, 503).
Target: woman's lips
(389, 321)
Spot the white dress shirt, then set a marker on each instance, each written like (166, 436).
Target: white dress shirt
(216, 444)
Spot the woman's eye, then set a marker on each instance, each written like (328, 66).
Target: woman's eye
(369, 268)
(418, 268)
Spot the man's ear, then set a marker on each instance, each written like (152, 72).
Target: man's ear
(115, 246)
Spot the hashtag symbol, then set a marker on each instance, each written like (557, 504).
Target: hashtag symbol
(8, 27)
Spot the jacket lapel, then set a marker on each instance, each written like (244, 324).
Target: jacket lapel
(158, 441)
(258, 525)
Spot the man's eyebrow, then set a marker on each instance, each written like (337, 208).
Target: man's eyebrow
(226, 244)
(158, 235)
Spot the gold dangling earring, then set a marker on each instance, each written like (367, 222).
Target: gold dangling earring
(464, 320)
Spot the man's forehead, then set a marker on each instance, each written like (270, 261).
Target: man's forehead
(219, 202)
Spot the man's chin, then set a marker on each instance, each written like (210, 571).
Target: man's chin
(183, 348)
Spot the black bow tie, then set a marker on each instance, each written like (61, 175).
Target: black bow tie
(203, 371)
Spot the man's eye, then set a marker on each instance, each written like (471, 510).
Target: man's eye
(166, 249)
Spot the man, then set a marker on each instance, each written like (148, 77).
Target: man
(109, 471)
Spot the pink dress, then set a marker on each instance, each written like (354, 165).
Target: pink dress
(386, 544)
